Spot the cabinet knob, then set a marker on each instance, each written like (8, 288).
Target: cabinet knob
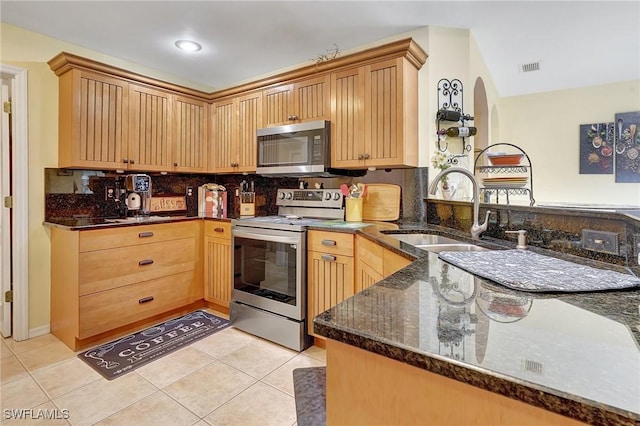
(125, 160)
(218, 229)
(132, 161)
(145, 262)
(328, 257)
(145, 234)
(293, 117)
(175, 164)
(145, 299)
(366, 156)
(360, 156)
(328, 242)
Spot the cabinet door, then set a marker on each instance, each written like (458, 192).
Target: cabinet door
(277, 103)
(347, 131)
(393, 262)
(189, 135)
(330, 281)
(93, 120)
(311, 99)
(249, 116)
(223, 156)
(149, 129)
(388, 102)
(217, 272)
(366, 276)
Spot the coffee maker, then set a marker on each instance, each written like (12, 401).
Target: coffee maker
(137, 194)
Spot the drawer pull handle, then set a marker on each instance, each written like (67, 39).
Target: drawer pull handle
(145, 299)
(145, 234)
(145, 262)
(328, 257)
(328, 242)
(219, 229)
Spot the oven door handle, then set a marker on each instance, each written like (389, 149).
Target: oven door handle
(266, 237)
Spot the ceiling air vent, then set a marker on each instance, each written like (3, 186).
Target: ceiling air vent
(531, 66)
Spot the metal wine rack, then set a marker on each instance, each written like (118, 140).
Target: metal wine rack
(524, 168)
(450, 97)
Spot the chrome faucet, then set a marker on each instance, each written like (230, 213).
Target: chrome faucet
(476, 228)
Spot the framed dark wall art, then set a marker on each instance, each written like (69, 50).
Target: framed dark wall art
(627, 147)
(597, 148)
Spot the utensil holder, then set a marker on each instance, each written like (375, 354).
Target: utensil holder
(353, 209)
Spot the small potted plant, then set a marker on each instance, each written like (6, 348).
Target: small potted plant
(440, 161)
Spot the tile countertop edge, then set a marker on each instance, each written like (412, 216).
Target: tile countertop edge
(577, 408)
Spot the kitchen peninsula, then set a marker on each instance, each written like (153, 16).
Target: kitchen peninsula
(434, 344)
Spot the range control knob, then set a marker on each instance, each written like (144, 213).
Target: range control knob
(327, 196)
(281, 195)
(336, 195)
(288, 195)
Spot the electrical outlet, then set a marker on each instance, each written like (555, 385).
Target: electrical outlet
(109, 193)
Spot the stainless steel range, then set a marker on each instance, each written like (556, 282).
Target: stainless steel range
(269, 296)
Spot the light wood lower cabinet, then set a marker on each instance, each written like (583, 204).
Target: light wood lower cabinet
(342, 264)
(105, 279)
(375, 263)
(218, 277)
(330, 271)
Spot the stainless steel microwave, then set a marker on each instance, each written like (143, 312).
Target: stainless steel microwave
(301, 149)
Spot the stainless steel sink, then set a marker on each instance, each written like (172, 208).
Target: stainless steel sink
(435, 243)
(437, 248)
(423, 239)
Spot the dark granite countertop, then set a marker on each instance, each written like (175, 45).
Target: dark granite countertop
(88, 223)
(574, 354)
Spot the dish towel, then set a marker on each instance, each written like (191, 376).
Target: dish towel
(529, 271)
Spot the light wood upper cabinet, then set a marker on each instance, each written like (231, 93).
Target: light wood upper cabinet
(374, 115)
(235, 122)
(347, 119)
(116, 119)
(189, 140)
(249, 109)
(391, 114)
(304, 100)
(93, 120)
(149, 129)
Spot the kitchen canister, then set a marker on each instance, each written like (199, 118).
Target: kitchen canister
(353, 209)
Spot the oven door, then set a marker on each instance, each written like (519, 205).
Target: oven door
(269, 270)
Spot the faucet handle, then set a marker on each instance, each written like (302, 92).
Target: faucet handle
(522, 238)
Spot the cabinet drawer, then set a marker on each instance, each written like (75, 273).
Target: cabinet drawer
(104, 311)
(98, 239)
(370, 253)
(330, 242)
(106, 269)
(220, 230)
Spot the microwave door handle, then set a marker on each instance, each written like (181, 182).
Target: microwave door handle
(265, 237)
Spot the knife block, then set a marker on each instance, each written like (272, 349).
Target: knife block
(247, 209)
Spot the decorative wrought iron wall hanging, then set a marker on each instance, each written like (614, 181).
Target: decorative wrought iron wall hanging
(451, 108)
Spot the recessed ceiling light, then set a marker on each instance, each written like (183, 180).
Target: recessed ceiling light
(188, 45)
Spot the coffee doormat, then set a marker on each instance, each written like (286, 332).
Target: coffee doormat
(121, 356)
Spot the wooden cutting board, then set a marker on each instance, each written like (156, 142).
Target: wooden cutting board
(382, 202)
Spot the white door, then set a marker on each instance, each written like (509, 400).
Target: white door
(5, 214)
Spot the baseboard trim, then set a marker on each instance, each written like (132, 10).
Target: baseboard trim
(39, 331)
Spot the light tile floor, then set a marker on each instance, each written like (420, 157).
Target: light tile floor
(228, 378)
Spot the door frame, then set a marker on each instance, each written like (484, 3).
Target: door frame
(20, 191)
